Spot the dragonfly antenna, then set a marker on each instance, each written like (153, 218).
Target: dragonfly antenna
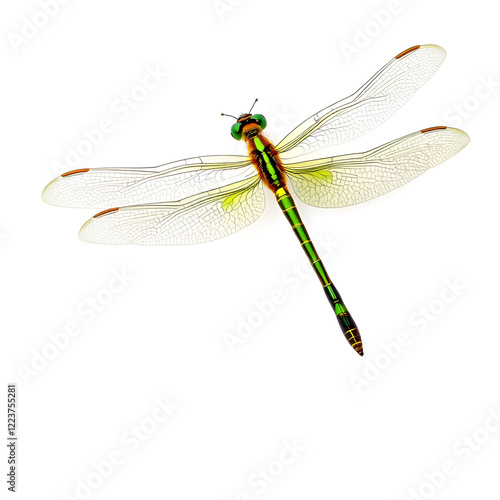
(253, 105)
(232, 116)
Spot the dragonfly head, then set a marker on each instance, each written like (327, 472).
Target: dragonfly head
(247, 126)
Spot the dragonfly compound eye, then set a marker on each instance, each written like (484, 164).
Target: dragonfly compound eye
(261, 121)
(237, 130)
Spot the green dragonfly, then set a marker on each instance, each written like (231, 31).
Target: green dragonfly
(205, 198)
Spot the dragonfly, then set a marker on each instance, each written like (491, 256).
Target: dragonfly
(205, 198)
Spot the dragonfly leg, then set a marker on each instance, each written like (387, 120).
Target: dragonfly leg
(346, 322)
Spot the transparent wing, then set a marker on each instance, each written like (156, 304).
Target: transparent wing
(346, 180)
(367, 108)
(203, 217)
(104, 187)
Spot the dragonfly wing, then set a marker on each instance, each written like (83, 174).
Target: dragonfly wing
(341, 181)
(101, 187)
(203, 217)
(367, 108)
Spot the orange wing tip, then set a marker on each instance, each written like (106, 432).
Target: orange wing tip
(407, 51)
(71, 172)
(432, 128)
(104, 212)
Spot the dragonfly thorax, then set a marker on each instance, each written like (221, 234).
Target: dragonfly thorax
(266, 160)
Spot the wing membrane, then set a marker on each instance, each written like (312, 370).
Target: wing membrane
(367, 108)
(101, 187)
(340, 181)
(204, 217)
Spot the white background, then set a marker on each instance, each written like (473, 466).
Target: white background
(376, 427)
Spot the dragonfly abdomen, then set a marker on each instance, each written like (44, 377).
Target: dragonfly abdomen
(266, 160)
(346, 322)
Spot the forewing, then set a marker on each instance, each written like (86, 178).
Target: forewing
(367, 108)
(104, 187)
(204, 217)
(346, 180)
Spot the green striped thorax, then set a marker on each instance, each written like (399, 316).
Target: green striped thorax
(248, 119)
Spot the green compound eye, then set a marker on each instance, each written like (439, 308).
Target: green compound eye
(236, 131)
(261, 121)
